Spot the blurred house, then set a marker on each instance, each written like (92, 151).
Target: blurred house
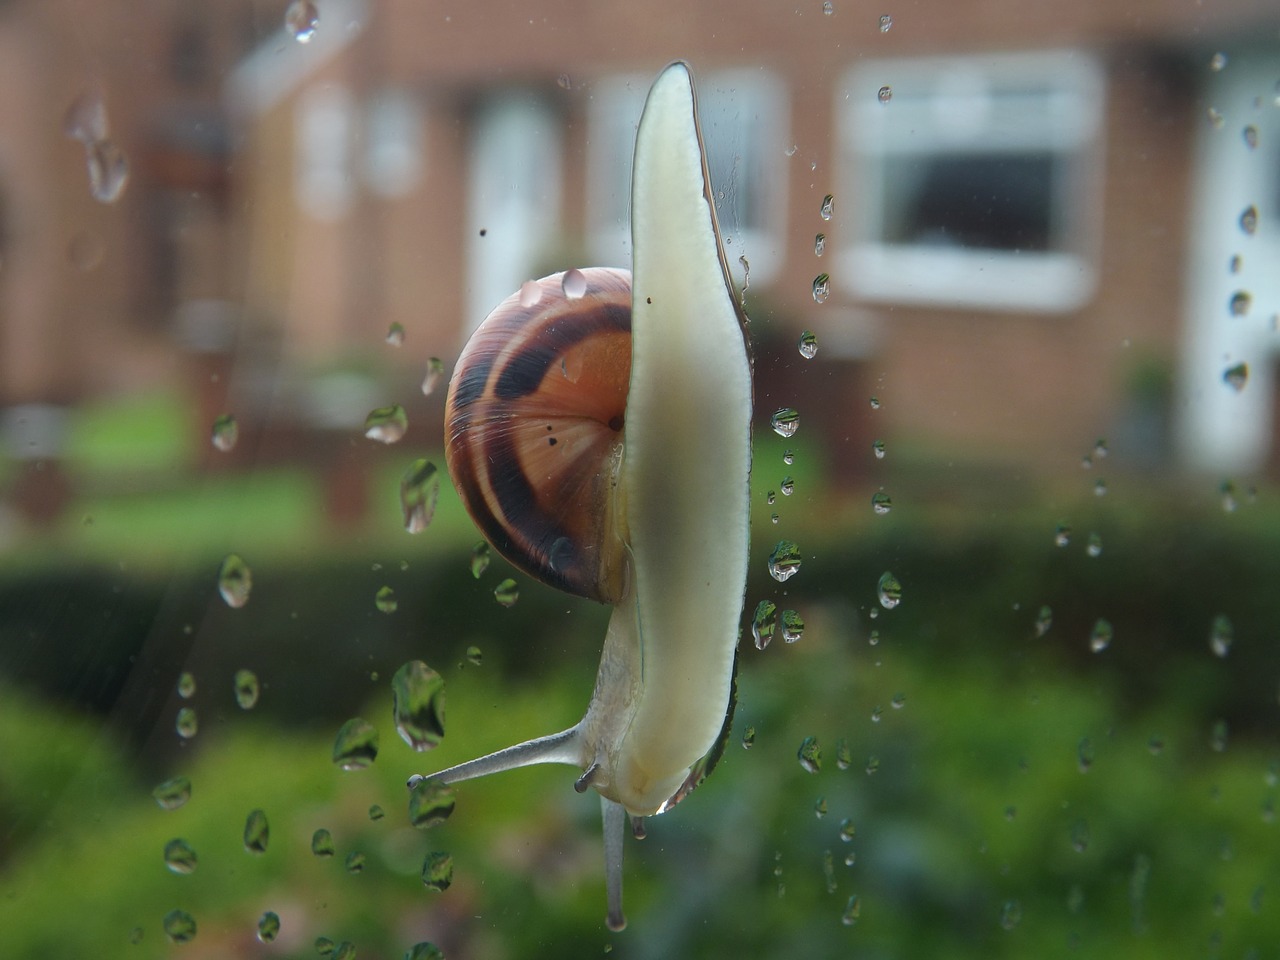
(1039, 233)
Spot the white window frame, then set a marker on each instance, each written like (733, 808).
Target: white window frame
(741, 110)
(1050, 101)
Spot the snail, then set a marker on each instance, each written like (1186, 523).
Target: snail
(598, 428)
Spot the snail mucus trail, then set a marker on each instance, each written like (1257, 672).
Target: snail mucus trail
(601, 439)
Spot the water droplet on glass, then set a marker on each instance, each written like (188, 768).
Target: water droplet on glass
(788, 457)
(873, 765)
(301, 19)
(186, 685)
(1217, 61)
(828, 207)
(792, 626)
(1240, 303)
(1221, 635)
(1094, 546)
(1044, 620)
(564, 81)
(1100, 487)
(1228, 493)
(881, 503)
(1080, 836)
(884, 94)
(395, 334)
(886, 23)
(187, 723)
(135, 935)
(376, 813)
(771, 497)
(419, 493)
(86, 118)
(852, 911)
(889, 590)
(268, 926)
(787, 486)
(1010, 914)
(247, 689)
(764, 623)
(1250, 134)
(1101, 636)
(424, 951)
(808, 345)
(574, 284)
(784, 561)
(1061, 535)
(844, 756)
(417, 694)
(748, 738)
(235, 581)
(480, 557)
(785, 421)
(173, 793)
(1249, 220)
(1235, 264)
(821, 287)
(475, 656)
(322, 843)
(828, 8)
(325, 946)
(810, 755)
(819, 244)
(385, 600)
(820, 808)
(386, 424)
(354, 862)
(431, 379)
(179, 856)
(1084, 754)
(108, 170)
(1216, 119)
(1155, 745)
(1236, 376)
(1218, 736)
(437, 871)
(180, 926)
(875, 403)
(256, 832)
(356, 745)
(225, 433)
(899, 701)
(530, 293)
(877, 447)
(346, 950)
(507, 592)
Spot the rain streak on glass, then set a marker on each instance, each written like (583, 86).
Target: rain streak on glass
(431, 802)
(1221, 635)
(268, 927)
(173, 793)
(437, 871)
(322, 843)
(792, 626)
(574, 284)
(225, 433)
(180, 926)
(235, 581)
(810, 755)
(417, 694)
(1236, 376)
(419, 493)
(395, 335)
(480, 557)
(385, 600)
(827, 208)
(257, 832)
(889, 590)
(179, 856)
(785, 421)
(808, 345)
(784, 561)
(356, 745)
(1101, 636)
(386, 424)
(186, 685)
(247, 689)
(881, 503)
(187, 723)
(301, 20)
(885, 94)
(507, 593)
(108, 170)
(433, 376)
(1249, 220)
(821, 287)
(764, 623)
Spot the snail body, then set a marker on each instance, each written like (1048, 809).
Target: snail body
(598, 428)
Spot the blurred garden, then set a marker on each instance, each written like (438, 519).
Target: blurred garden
(999, 775)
